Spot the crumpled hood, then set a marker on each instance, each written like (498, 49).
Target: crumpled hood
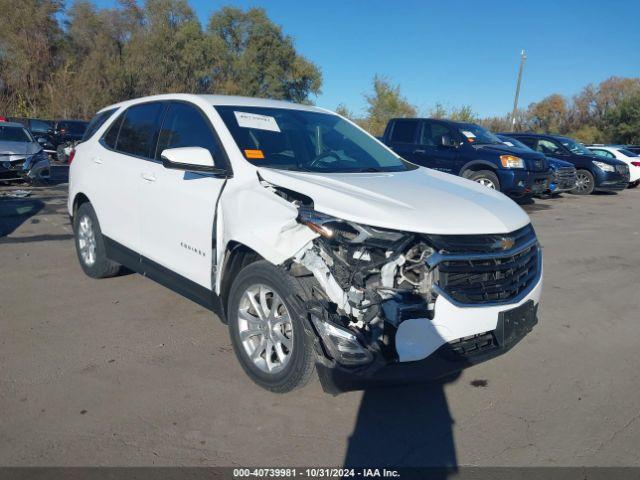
(420, 200)
(19, 148)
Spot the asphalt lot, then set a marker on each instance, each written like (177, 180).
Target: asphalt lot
(124, 372)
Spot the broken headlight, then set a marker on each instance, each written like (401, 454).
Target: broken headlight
(343, 345)
(333, 228)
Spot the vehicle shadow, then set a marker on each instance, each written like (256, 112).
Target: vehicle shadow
(14, 212)
(405, 426)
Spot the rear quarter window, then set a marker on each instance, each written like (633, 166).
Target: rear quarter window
(96, 122)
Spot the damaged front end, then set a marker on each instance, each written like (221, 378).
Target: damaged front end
(386, 298)
(370, 280)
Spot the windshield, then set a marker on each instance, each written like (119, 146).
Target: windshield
(627, 153)
(306, 141)
(512, 142)
(14, 134)
(575, 147)
(476, 134)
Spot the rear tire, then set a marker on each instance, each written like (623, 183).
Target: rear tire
(585, 183)
(268, 328)
(90, 244)
(486, 178)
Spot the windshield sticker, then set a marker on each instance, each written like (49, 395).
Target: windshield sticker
(254, 154)
(468, 134)
(254, 120)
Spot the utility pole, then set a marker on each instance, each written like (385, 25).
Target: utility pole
(523, 58)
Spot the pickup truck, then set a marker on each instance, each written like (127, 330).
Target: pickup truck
(320, 247)
(469, 151)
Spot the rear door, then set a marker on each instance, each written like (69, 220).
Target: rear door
(431, 153)
(127, 146)
(179, 207)
(402, 138)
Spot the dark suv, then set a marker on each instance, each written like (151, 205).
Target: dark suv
(593, 172)
(470, 151)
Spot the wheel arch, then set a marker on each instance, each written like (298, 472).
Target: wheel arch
(78, 200)
(476, 166)
(236, 257)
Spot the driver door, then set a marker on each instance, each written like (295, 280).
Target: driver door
(430, 150)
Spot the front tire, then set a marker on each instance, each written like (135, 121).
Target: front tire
(268, 329)
(585, 183)
(90, 244)
(486, 178)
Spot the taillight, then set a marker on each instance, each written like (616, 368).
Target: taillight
(72, 154)
(635, 164)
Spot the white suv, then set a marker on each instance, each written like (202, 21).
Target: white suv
(318, 245)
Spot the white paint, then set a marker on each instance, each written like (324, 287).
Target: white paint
(421, 200)
(189, 156)
(416, 339)
(254, 120)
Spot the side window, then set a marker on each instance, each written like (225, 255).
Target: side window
(603, 153)
(528, 141)
(548, 147)
(111, 137)
(139, 128)
(404, 131)
(96, 122)
(185, 126)
(39, 126)
(432, 133)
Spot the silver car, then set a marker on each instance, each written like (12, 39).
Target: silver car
(21, 156)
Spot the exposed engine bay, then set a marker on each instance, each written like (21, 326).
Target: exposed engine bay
(370, 280)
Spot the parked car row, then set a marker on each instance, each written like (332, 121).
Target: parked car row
(517, 164)
(55, 136)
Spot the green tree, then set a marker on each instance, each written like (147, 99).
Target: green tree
(463, 114)
(30, 38)
(548, 115)
(385, 103)
(623, 120)
(438, 111)
(258, 59)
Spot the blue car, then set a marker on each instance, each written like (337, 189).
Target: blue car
(594, 173)
(470, 151)
(563, 174)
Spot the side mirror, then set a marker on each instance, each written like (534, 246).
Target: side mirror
(192, 159)
(447, 141)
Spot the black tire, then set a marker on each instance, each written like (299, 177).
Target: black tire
(300, 367)
(585, 183)
(634, 184)
(482, 176)
(101, 267)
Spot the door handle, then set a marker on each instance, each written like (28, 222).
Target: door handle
(97, 160)
(149, 177)
(419, 150)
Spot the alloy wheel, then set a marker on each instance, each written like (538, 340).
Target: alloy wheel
(265, 328)
(87, 240)
(583, 182)
(487, 183)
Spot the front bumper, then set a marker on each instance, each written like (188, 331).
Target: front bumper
(520, 183)
(611, 181)
(457, 337)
